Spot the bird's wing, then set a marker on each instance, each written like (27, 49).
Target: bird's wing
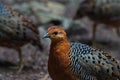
(93, 61)
(14, 24)
(110, 8)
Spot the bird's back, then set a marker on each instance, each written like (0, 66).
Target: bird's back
(107, 9)
(87, 63)
(16, 27)
(101, 9)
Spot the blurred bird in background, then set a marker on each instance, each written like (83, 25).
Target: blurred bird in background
(77, 61)
(17, 30)
(101, 11)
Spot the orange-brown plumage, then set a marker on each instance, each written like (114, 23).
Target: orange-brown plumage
(58, 55)
(76, 61)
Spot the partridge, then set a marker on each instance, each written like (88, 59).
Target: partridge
(101, 11)
(77, 61)
(17, 30)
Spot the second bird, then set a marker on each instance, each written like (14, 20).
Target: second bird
(101, 11)
(17, 30)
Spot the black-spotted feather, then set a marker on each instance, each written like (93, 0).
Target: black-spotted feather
(13, 23)
(90, 62)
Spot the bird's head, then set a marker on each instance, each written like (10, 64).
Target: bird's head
(56, 34)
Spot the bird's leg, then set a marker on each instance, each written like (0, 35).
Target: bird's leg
(118, 31)
(21, 65)
(94, 34)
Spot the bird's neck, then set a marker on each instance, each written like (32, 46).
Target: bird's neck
(61, 47)
(59, 54)
(59, 60)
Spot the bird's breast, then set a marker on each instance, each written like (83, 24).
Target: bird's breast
(59, 71)
(58, 65)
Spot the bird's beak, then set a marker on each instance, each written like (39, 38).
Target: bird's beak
(46, 36)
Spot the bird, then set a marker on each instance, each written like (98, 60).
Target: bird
(77, 61)
(101, 11)
(17, 30)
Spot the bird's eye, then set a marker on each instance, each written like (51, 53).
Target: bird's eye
(55, 33)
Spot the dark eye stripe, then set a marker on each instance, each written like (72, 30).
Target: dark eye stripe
(55, 33)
